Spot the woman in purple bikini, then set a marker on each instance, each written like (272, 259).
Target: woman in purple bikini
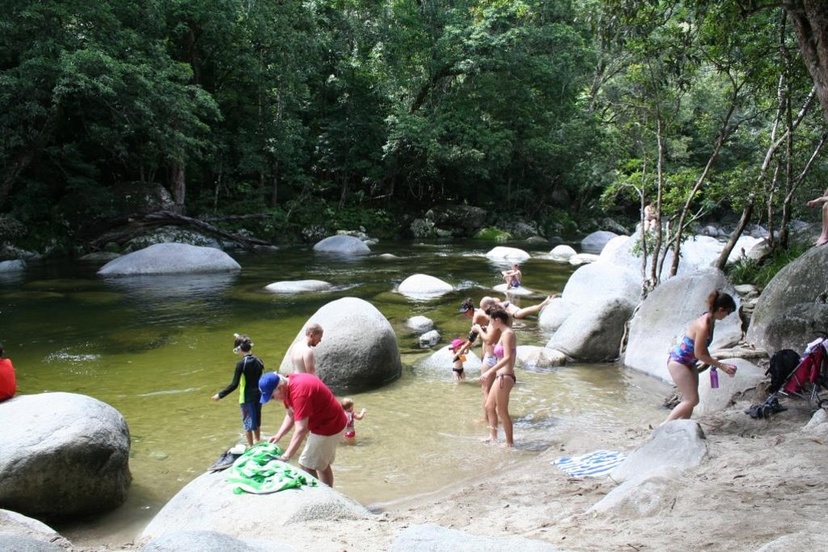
(693, 347)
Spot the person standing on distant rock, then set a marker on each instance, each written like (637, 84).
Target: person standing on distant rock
(8, 381)
(650, 217)
(303, 357)
(823, 237)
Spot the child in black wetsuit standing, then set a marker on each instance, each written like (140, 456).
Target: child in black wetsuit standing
(248, 371)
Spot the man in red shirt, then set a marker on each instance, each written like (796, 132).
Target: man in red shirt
(8, 383)
(311, 409)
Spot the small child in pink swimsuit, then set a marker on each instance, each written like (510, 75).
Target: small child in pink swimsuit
(350, 431)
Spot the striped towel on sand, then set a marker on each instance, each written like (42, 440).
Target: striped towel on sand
(593, 464)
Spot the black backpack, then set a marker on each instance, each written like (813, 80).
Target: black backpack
(782, 365)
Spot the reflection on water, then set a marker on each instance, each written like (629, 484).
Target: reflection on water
(166, 287)
(157, 348)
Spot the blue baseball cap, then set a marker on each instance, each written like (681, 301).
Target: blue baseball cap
(267, 383)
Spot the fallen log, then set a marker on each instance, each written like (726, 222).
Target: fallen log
(123, 229)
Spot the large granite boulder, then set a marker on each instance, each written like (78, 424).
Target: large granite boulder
(591, 284)
(20, 532)
(593, 332)
(424, 286)
(555, 313)
(601, 281)
(662, 319)
(561, 253)
(504, 254)
(359, 349)
(678, 445)
(792, 308)
(65, 455)
(595, 242)
(697, 253)
(342, 244)
(208, 503)
(170, 258)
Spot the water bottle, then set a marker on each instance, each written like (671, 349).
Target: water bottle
(714, 378)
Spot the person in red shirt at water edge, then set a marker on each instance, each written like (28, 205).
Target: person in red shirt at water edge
(8, 382)
(312, 411)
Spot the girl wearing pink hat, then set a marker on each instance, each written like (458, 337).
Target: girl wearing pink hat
(459, 348)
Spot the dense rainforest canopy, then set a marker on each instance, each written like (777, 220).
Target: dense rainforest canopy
(352, 112)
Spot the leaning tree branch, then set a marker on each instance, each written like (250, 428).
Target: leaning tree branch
(123, 229)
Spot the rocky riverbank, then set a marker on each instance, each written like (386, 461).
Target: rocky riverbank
(758, 487)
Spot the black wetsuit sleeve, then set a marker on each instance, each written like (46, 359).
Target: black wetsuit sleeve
(236, 379)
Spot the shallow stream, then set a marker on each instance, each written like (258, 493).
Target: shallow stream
(157, 348)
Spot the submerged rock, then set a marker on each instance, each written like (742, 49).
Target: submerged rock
(170, 258)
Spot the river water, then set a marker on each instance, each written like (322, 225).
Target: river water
(156, 348)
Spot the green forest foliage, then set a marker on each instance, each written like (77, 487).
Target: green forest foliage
(344, 113)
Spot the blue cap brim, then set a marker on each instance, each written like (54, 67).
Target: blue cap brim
(267, 384)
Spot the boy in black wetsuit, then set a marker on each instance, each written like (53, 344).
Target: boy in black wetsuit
(248, 371)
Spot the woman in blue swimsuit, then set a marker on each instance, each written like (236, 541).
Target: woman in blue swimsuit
(693, 347)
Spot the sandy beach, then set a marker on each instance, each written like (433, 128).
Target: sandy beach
(760, 481)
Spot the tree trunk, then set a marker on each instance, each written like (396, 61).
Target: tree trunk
(344, 193)
(747, 212)
(178, 185)
(274, 189)
(659, 252)
(810, 21)
(122, 229)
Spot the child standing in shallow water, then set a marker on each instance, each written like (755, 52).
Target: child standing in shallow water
(459, 348)
(350, 431)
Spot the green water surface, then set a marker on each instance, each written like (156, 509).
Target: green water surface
(157, 347)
